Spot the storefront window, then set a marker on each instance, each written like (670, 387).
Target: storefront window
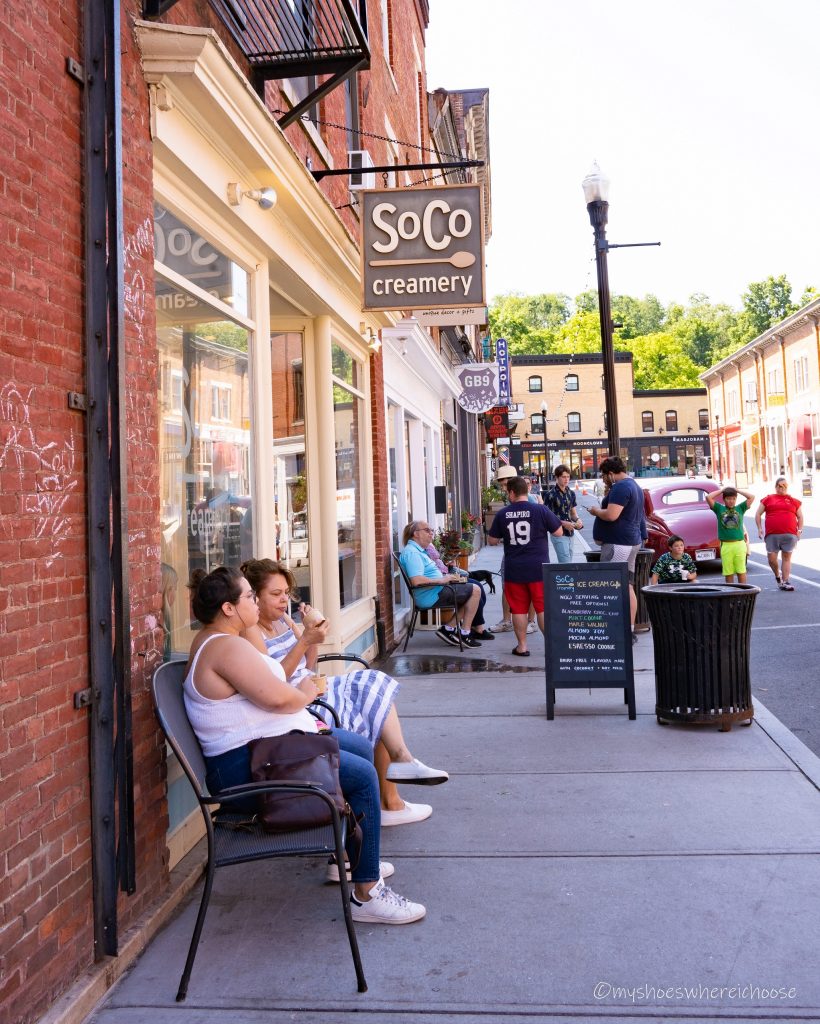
(348, 419)
(290, 507)
(205, 435)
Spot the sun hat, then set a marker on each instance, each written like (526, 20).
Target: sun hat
(506, 473)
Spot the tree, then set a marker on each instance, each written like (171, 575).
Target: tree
(528, 321)
(768, 302)
(660, 363)
(810, 293)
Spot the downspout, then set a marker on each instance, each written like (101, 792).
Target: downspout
(110, 755)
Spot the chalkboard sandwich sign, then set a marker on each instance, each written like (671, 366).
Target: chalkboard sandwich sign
(587, 629)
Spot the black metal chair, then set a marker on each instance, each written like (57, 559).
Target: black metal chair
(446, 601)
(232, 839)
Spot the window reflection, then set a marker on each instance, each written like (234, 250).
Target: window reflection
(204, 432)
(290, 459)
(348, 408)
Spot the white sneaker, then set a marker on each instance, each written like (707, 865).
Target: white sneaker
(532, 627)
(415, 772)
(386, 907)
(386, 869)
(407, 815)
(502, 627)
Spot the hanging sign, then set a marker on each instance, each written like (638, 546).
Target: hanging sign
(496, 423)
(422, 248)
(479, 383)
(451, 317)
(502, 357)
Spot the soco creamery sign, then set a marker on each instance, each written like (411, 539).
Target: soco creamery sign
(422, 248)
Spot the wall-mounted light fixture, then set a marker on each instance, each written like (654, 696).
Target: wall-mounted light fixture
(371, 339)
(660, 430)
(265, 197)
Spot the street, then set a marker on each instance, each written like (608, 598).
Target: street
(785, 634)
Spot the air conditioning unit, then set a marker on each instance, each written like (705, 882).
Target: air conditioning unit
(358, 160)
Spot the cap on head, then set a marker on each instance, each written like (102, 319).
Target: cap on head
(506, 473)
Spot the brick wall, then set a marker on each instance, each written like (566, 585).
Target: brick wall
(45, 858)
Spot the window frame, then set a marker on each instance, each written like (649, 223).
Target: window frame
(671, 421)
(647, 416)
(530, 382)
(570, 421)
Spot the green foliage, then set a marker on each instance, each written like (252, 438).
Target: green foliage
(671, 345)
(768, 302)
(528, 321)
(660, 363)
(491, 494)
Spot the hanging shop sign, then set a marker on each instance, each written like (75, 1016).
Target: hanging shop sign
(423, 248)
(451, 317)
(479, 386)
(502, 357)
(496, 423)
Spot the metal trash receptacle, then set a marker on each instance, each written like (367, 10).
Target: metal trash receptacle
(643, 565)
(701, 635)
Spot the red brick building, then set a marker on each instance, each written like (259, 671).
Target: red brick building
(187, 379)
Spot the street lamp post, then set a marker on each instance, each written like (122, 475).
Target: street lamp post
(596, 191)
(546, 453)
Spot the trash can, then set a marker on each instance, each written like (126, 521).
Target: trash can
(701, 635)
(643, 563)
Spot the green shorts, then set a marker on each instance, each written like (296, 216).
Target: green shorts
(733, 556)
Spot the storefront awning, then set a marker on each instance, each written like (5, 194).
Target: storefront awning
(800, 436)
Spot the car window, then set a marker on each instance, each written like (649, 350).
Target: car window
(685, 496)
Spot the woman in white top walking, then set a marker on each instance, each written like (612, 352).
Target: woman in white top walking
(234, 694)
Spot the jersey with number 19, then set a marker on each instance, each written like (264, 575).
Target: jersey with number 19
(525, 530)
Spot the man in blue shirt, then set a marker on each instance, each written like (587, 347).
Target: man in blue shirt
(620, 523)
(421, 569)
(524, 528)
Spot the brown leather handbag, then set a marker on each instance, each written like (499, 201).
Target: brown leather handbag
(297, 757)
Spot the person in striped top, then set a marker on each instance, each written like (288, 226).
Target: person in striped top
(363, 699)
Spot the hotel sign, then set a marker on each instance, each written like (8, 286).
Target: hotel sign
(422, 248)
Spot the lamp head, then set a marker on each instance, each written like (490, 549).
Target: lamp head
(595, 185)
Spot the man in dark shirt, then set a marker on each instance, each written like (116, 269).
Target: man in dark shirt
(619, 525)
(562, 501)
(524, 529)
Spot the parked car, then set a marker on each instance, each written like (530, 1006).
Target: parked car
(678, 506)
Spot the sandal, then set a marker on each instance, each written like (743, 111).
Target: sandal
(520, 654)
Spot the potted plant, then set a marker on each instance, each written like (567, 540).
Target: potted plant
(492, 499)
(453, 548)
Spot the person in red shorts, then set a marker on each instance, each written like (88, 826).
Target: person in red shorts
(524, 529)
(784, 525)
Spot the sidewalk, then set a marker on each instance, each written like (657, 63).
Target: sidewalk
(586, 869)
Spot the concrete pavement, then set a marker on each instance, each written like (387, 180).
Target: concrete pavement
(589, 868)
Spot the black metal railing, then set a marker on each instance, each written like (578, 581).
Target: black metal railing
(293, 39)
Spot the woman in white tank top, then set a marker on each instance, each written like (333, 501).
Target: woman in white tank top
(234, 694)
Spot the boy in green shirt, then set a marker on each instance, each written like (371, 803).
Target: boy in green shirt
(731, 533)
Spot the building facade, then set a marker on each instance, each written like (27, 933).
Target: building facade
(189, 380)
(662, 432)
(764, 403)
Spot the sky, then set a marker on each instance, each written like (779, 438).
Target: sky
(704, 116)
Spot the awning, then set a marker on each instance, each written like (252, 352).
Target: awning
(801, 433)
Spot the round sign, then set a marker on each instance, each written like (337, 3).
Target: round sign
(655, 457)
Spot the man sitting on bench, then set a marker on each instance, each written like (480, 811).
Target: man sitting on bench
(420, 569)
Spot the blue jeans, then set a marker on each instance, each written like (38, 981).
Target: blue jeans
(360, 785)
(563, 548)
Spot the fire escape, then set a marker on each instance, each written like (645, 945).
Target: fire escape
(305, 39)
